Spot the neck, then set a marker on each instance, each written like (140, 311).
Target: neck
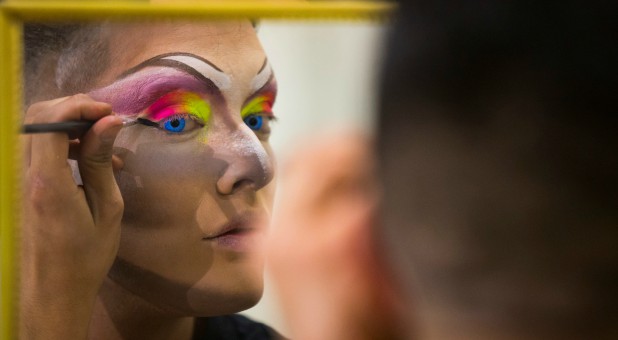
(120, 314)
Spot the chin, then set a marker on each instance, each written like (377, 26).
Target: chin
(225, 298)
(228, 290)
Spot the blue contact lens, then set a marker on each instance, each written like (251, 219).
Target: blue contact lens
(176, 124)
(254, 122)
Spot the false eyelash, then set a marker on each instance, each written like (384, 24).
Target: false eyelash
(147, 122)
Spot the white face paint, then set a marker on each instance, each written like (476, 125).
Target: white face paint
(241, 144)
(247, 144)
(220, 79)
(262, 78)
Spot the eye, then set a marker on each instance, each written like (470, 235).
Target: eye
(178, 124)
(254, 122)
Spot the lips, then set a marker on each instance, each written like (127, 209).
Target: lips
(239, 234)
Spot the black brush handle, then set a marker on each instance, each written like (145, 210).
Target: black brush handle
(73, 129)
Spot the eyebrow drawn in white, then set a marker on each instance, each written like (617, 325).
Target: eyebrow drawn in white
(220, 79)
(262, 77)
(193, 64)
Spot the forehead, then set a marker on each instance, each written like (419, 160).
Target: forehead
(230, 45)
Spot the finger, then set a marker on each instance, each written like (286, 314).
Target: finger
(50, 150)
(26, 145)
(117, 163)
(95, 164)
(29, 117)
(36, 108)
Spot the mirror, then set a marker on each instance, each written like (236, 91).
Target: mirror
(211, 104)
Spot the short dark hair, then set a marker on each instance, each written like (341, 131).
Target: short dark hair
(498, 145)
(62, 59)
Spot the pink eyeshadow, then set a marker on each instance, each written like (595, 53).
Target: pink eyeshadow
(162, 114)
(135, 93)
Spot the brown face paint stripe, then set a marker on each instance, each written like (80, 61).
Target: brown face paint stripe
(157, 61)
(263, 66)
(154, 62)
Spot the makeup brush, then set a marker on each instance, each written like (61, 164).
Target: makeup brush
(77, 128)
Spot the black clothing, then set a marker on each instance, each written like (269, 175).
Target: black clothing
(232, 327)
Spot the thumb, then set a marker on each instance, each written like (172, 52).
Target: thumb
(95, 166)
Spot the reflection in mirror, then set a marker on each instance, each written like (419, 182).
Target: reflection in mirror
(148, 225)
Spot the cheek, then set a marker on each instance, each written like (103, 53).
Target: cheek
(125, 142)
(164, 182)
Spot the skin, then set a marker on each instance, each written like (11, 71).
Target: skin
(149, 262)
(337, 286)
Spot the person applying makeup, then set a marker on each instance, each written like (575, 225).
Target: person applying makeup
(152, 233)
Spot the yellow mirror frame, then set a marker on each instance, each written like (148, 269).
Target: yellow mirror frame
(14, 13)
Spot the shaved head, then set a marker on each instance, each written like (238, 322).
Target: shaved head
(497, 146)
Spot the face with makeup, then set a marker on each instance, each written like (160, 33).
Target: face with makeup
(196, 171)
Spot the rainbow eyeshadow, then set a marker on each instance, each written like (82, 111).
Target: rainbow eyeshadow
(261, 104)
(180, 103)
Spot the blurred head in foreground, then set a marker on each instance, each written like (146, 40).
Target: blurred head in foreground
(497, 150)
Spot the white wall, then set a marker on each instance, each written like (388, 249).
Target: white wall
(327, 77)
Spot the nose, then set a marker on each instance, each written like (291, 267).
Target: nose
(248, 163)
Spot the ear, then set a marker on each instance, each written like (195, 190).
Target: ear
(324, 256)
